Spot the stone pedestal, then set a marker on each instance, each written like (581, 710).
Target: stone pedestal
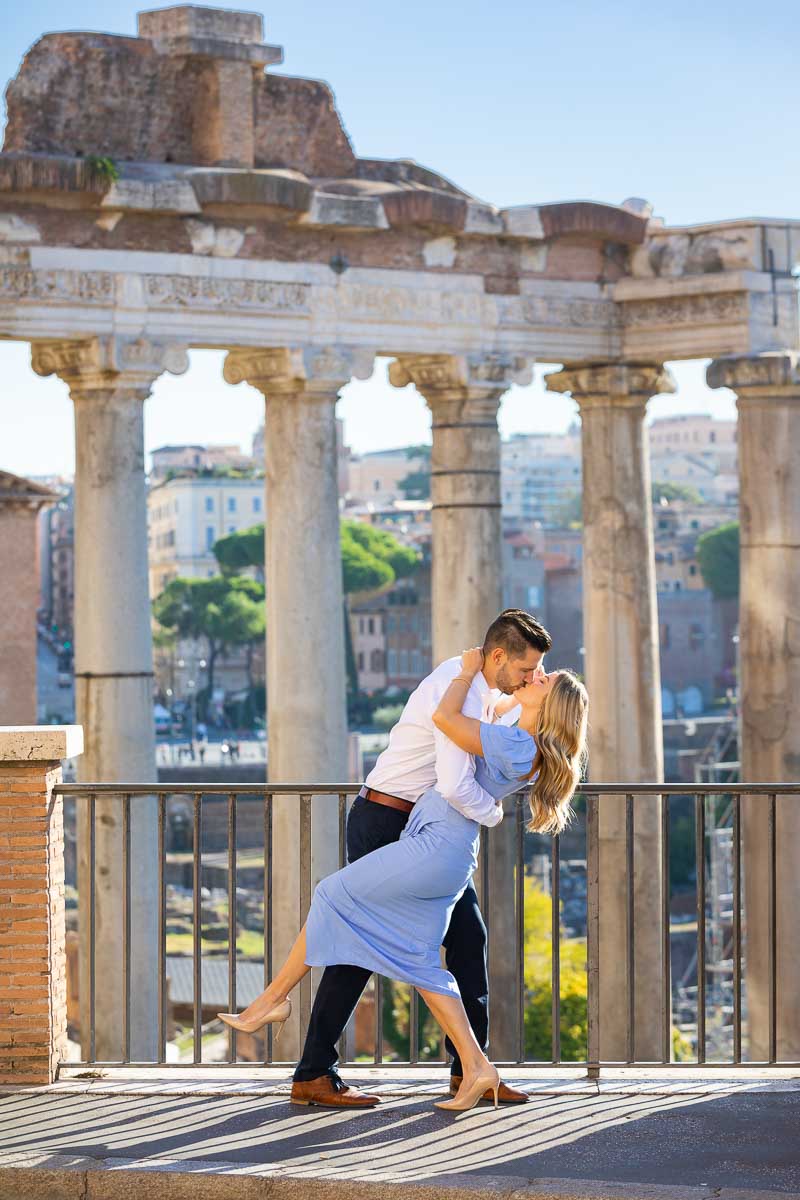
(623, 679)
(463, 394)
(20, 500)
(33, 972)
(306, 709)
(768, 389)
(109, 380)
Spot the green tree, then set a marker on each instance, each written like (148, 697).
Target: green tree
(238, 551)
(718, 557)
(371, 558)
(417, 484)
(538, 983)
(222, 611)
(569, 513)
(675, 491)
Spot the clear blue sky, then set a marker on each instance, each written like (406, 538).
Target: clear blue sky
(692, 106)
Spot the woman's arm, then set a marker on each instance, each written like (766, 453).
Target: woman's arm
(449, 719)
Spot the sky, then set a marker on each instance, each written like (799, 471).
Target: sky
(690, 106)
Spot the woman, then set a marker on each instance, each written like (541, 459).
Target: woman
(389, 911)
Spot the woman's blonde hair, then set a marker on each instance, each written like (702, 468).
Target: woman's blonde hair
(560, 754)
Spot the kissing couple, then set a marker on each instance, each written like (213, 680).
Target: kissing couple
(474, 731)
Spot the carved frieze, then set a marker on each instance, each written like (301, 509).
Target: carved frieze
(200, 291)
(571, 313)
(61, 286)
(376, 302)
(684, 310)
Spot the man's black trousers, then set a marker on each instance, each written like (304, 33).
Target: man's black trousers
(370, 826)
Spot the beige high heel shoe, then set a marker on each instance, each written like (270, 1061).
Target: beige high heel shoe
(276, 1016)
(473, 1094)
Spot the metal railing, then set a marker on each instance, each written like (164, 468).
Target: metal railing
(592, 795)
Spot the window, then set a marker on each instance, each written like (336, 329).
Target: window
(376, 661)
(697, 637)
(392, 662)
(692, 569)
(210, 538)
(371, 625)
(361, 660)
(257, 504)
(231, 504)
(231, 529)
(209, 503)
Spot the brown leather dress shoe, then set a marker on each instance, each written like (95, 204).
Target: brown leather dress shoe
(506, 1095)
(331, 1092)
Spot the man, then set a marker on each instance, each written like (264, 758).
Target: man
(417, 758)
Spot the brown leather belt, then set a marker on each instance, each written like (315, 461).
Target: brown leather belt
(387, 800)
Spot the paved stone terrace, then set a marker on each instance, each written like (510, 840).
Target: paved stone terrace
(229, 1133)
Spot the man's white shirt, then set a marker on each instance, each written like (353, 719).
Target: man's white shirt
(419, 756)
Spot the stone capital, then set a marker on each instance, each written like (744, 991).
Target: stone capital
(284, 370)
(617, 385)
(776, 374)
(461, 388)
(459, 373)
(103, 363)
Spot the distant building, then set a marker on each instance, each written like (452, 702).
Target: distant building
(540, 473)
(368, 633)
(167, 459)
(523, 570)
(57, 559)
(695, 653)
(187, 514)
(373, 480)
(696, 451)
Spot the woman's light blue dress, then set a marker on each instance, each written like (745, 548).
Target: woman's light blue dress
(389, 911)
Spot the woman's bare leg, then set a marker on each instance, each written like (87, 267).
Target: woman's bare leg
(451, 1015)
(288, 977)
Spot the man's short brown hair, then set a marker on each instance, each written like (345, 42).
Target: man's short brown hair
(516, 631)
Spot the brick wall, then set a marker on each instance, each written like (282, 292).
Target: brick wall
(33, 983)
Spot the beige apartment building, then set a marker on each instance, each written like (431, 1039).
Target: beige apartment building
(698, 451)
(186, 515)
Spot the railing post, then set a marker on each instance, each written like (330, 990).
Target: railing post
(593, 936)
(33, 975)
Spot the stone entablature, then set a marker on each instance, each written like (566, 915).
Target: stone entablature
(242, 216)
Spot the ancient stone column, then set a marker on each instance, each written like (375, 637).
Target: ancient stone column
(463, 394)
(624, 681)
(306, 710)
(768, 390)
(20, 501)
(109, 379)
